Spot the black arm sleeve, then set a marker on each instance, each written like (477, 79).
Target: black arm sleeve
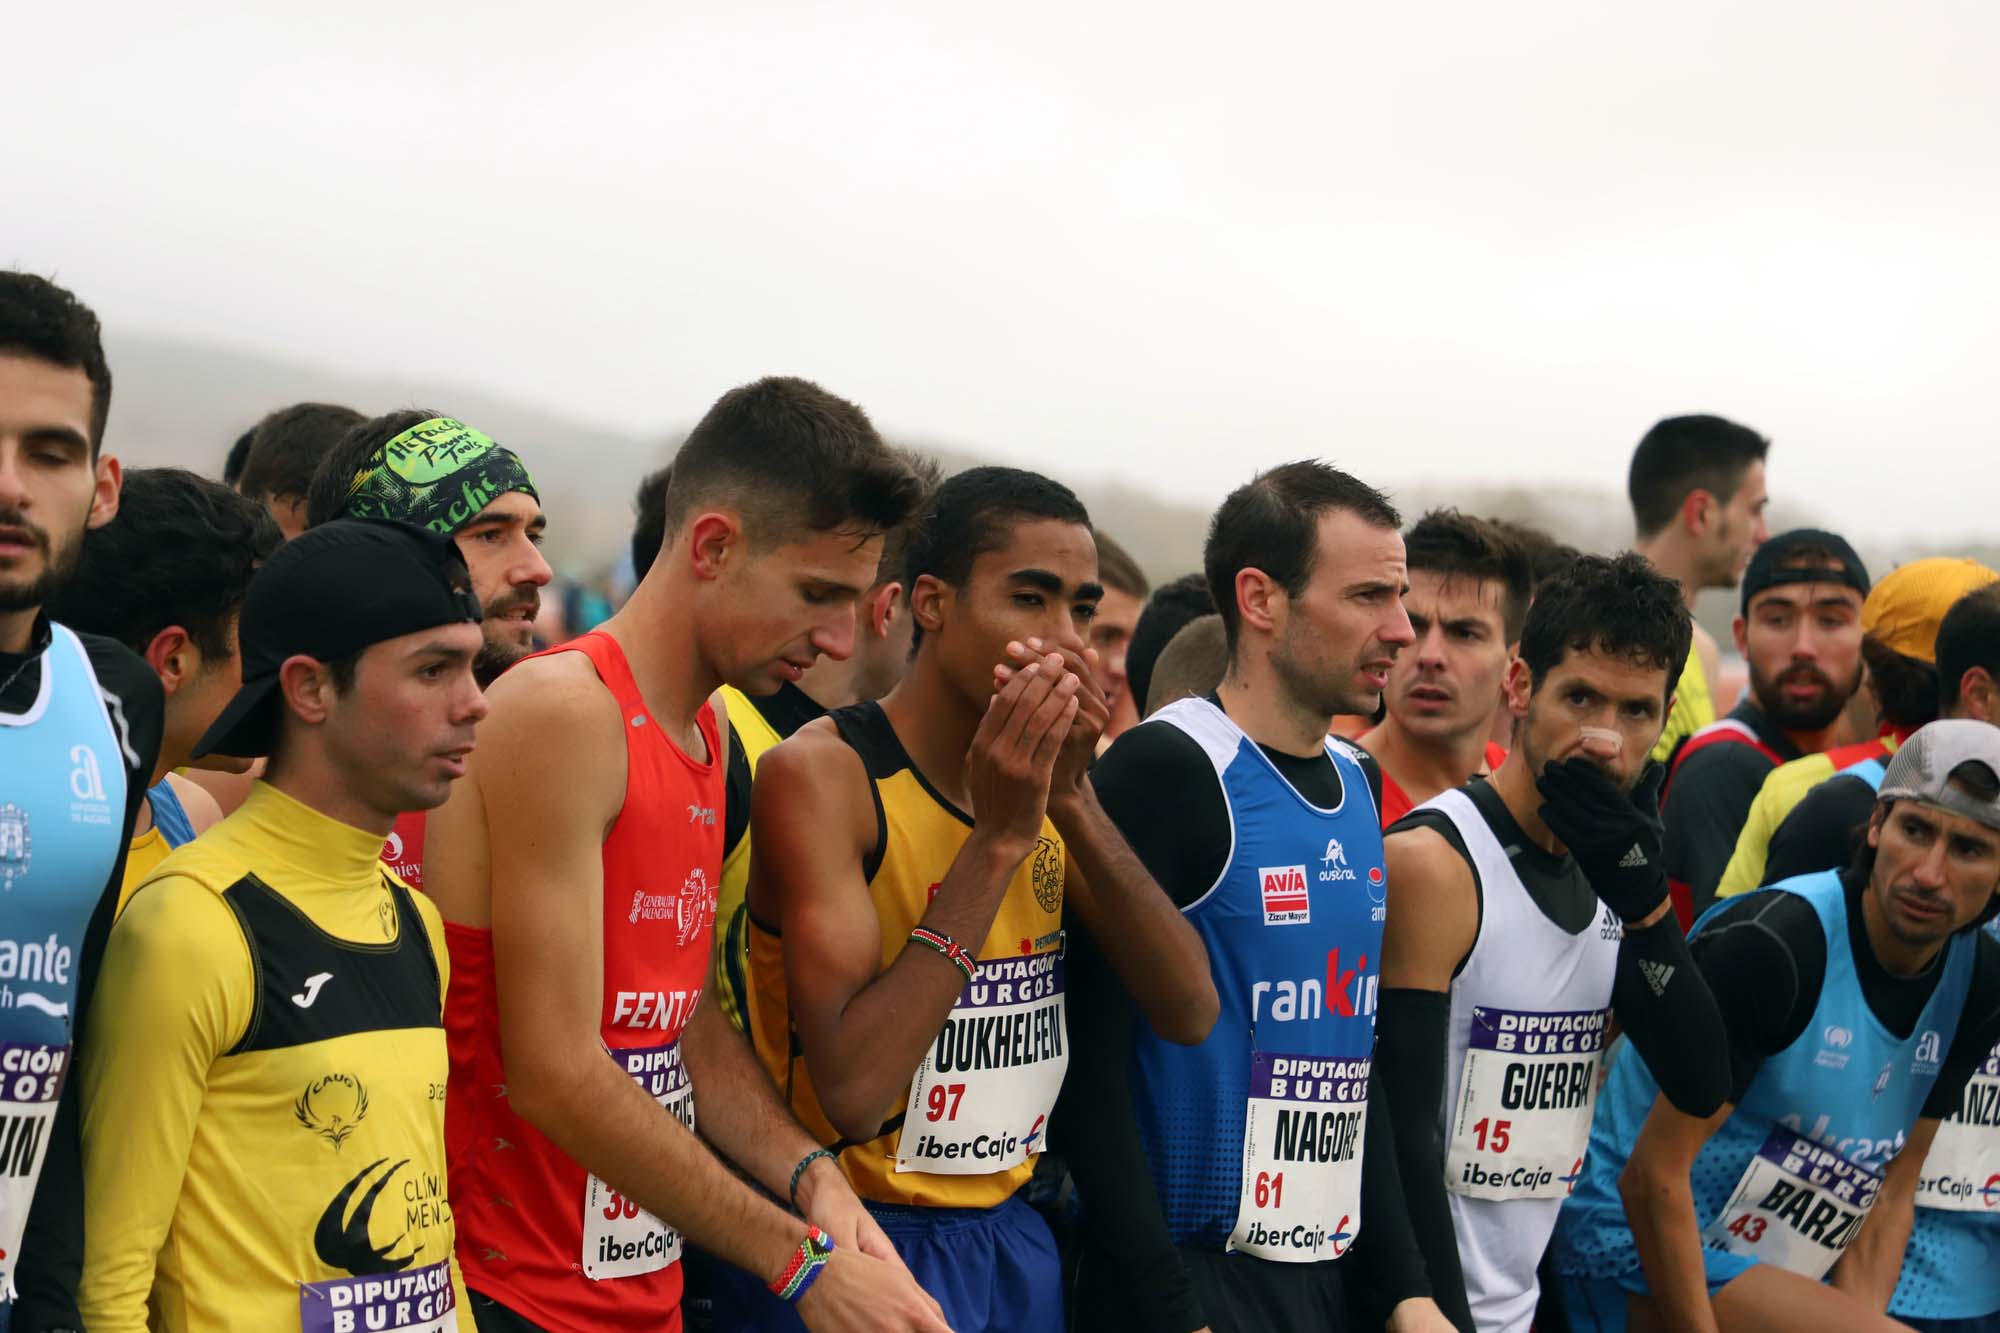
(1764, 961)
(1664, 1004)
(1822, 830)
(1978, 1032)
(1706, 806)
(1159, 789)
(1125, 1229)
(1411, 1039)
(1384, 1267)
(51, 1263)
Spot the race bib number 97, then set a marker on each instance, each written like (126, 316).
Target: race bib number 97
(1302, 1132)
(621, 1239)
(1524, 1099)
(981, 1099)
(1962, 1172)
(1797, 1205)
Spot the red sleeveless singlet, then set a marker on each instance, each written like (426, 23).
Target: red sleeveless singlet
(536, 1232)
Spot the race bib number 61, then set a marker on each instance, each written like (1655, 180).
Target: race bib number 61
(1302, 1131)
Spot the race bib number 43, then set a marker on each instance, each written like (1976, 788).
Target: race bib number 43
(1797, 1205)
(1302, 1131)
(621, 1239)
(980, 1101)
(1524, 1099)
(1962, 1173)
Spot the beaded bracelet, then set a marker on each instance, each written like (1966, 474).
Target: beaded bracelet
(952, 950)
(799, 1171)
(805, 1266)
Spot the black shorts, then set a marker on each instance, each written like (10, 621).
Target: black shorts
(1239, 1293)
(489, 1316)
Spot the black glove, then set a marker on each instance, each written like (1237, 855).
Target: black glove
(1614, 837)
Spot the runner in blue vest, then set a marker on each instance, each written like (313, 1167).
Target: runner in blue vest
(1249, 1183)
(1859, 1006)
(80, 722)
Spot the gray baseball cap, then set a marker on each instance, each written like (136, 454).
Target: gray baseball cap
(1921, 770)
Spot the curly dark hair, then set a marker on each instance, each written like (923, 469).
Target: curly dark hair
(1616, 605)
(1456, 545)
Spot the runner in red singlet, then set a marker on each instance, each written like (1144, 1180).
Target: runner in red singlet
(576, 870)
(1468, 596)
(478, 494)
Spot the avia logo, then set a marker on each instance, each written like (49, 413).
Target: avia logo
(1333, 865)
(1575, 1172)
(86, 781)
(1285, 900)
(341, 1239)
(1348, 993)
(305, 998)
(1839, 1038)
(332, 1107)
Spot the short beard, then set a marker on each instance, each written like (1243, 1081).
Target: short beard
(493, 659)
(57, 567)
(1816, 717)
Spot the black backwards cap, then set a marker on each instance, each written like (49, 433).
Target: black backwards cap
(337, 589)
(1768, 567)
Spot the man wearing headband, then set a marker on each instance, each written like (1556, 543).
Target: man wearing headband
(263, 1091)
(1858, 1007)
(439, 474)
(1800, 632)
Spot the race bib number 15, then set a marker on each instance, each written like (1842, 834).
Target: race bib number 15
(1524, 1099)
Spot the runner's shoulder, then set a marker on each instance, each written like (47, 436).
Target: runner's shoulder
(559, 690)
(813, 760)
(179, 914)
(1773, 930)
(1427, 864)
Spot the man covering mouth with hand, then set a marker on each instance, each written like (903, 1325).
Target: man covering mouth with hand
(437, 473)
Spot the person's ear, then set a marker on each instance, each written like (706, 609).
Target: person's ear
(173, 657)
(1261, 601)
(880, 604)
(1739, 629)
(104, 499)
(714, 539)
(929, 598)
(307, 684)
(1979, 695)
(1518, 686)
(1698, 511)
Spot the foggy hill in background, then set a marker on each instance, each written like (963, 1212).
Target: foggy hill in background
(182, 403)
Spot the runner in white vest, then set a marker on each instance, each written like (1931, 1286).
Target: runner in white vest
(1523, 909)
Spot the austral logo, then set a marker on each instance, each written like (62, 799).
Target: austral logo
(341, 1239)
(1333, 864)
(332, 1107)
(1285, 899)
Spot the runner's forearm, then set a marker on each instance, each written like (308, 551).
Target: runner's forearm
(1124, 1224)
(1385, 1264)
(1411, 1038)
(1664, 1004)
(738, 1110)
(1659, 1205)
(1155, 951)
(593, 1111)
(1873, 1263)
(863, 1060)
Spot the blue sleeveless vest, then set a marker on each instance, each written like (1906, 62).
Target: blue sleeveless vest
(62, 826)
(1846, 1083)
(1293, 928)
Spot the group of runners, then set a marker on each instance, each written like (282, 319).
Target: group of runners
(898, 916)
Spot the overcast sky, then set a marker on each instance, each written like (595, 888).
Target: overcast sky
(1163, 243)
